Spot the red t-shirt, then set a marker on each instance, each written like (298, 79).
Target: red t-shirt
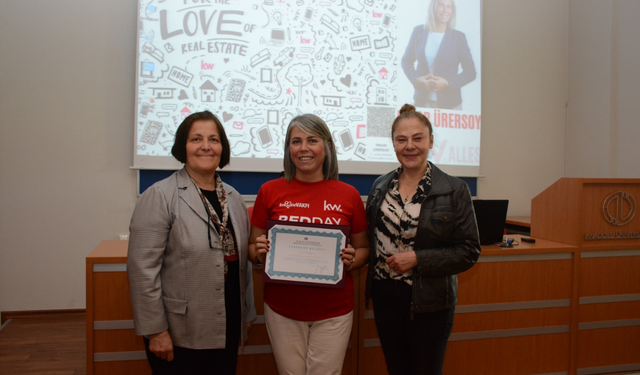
(327, 202)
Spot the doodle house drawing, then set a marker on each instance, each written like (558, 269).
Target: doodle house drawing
(332, 101)
(383, 73)
(185, 112)
(162, 93)
(208, 91)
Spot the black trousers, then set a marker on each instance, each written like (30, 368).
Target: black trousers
(192, 361)
(410, 346)
(208, 361)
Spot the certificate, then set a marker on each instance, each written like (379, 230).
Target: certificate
(308, 254)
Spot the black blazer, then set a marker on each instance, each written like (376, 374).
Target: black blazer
(453, 53)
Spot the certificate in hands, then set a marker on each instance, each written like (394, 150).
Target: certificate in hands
(305, 254)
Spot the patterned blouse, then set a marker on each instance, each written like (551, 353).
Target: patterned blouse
(396, 226)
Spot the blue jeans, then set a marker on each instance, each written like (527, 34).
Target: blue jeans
(410, 346)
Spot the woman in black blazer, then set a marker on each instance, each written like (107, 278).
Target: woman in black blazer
(440, 51)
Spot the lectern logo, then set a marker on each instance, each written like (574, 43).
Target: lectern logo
(619, 208)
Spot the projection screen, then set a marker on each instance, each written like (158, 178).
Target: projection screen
(256, 64)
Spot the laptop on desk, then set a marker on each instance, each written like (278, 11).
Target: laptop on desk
(491, 216)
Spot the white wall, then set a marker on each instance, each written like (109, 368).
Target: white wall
(604, 87)
(524, 95)
(590, 73)
(66, 113)
(628, 118)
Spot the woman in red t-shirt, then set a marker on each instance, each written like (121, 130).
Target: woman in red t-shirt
(309, 326)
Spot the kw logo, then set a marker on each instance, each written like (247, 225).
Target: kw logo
(332, 207)
(205, 66)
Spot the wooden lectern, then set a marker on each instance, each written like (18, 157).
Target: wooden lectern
(600, 217)
(588, 212)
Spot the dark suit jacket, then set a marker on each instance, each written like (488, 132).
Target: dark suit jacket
(453, 52)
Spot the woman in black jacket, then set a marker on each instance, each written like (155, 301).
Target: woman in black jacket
(423, 232)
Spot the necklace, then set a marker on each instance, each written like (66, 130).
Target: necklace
(408, 194)
(408, 181)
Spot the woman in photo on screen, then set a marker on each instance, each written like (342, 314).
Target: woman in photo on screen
(422, 231)
(309, 326)
(440, 52)
(190, 281)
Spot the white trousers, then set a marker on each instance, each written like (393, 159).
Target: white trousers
(311, 348)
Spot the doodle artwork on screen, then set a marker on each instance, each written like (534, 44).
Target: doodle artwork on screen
(256, 64)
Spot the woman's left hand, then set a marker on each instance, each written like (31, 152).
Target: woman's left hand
(348, 256)
(424, 81)
(437, 83)
(403, 262)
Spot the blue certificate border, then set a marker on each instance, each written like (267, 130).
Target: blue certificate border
(338, 235)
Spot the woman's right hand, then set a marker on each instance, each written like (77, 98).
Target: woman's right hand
(161, 345)
(262, 247)
(424, 81)
(437, 83)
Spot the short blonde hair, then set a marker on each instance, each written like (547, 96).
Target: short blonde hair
(313, 125)
(431, 17)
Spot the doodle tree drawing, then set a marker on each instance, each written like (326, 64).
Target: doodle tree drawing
(299, 75)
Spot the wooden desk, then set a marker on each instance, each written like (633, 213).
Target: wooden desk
(523, 221)
(543, 308)
(518, 225)
(113, 347)
(514, 308)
